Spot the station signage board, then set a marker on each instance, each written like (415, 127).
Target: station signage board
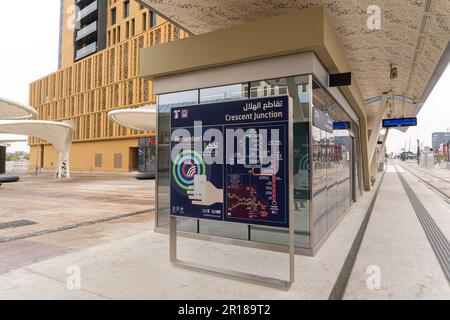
(229, 161)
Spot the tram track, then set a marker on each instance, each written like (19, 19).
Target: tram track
(432, 186)
(431, 175)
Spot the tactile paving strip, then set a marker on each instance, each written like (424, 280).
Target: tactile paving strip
(338, 291)
(436, 237)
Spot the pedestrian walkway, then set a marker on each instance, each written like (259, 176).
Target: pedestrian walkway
(396, 259)
(43, 203)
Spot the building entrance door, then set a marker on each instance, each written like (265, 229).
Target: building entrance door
(41, 158)
(134, 159)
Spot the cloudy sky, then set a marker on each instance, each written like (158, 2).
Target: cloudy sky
(29, 51)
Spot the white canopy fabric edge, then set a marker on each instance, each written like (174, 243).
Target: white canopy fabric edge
(7, 142)
(59, 134)
(29, 112)
(140, 119)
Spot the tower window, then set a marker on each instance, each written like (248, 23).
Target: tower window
(152, 19)
(144, 22)
(126, 9)
(113, 16)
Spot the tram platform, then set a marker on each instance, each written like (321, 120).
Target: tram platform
(398, 249)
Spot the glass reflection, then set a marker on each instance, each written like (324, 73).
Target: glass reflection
(297, 88)
(224, 93)
(330, 162)
(319, 183)
(220, 228)
(165, 104)
(332, 183)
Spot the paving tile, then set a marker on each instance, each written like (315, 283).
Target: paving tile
(16, 254)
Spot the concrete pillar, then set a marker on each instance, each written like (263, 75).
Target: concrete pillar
(373, 169)
(374, 125)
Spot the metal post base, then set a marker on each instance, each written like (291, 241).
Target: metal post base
(248, 277)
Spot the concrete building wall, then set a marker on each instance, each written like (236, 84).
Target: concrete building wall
(67, 33)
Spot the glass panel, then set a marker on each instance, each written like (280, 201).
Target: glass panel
(174, 99)
(331, 181)
(343, 141)
(302, 189)
(224, 229)
(319, 184)
(268, 88)
(141, 159)
(224, 93)
(342, 178)
(331, 169)
(355, 174)
(150, 159)
(165, 104)
(147, 155)
(357, 162)
(346, 171)
(220, 228)
(297, 87)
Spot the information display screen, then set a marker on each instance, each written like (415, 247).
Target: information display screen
(402, 122)
(230, 161)
(341, 125)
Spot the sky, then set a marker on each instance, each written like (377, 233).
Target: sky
(29, 51)
(433, 117)
(29, 31)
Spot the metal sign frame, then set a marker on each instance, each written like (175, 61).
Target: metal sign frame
(259, 279)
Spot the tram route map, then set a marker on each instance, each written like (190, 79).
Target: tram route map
(255, 187)
(248, 181)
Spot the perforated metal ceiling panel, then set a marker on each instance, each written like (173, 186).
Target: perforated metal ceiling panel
(413, 35)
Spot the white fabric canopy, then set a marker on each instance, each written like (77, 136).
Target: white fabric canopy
(10, 110)
(141, 119)
(59, 134)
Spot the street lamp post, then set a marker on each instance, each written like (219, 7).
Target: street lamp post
(418, 152)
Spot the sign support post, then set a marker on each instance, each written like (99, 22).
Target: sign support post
(271, 282)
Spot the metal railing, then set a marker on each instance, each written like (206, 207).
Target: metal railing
(89, 49)
(87, 10)
(87, 30)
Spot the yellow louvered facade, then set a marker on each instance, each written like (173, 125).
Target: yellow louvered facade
(85, 91)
